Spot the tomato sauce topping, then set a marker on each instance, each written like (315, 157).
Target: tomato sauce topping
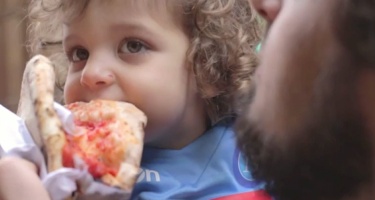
(94, 148)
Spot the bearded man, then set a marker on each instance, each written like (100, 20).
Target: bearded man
(308, 128)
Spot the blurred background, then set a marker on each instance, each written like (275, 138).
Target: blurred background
(13, 54)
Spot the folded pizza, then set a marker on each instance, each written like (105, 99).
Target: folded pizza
(108, 135)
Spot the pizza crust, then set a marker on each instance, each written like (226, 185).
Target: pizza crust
(26, 109)
(36, 107)
(130, 166)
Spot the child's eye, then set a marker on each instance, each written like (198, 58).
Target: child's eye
(79, 54)
(133, 46)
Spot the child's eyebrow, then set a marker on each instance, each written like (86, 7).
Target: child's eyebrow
(138, 28)
(133, 27)
(70, 38)
(51, 43)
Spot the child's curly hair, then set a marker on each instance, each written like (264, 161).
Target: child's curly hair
(223, 34)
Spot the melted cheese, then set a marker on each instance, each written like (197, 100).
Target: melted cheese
(102, 136)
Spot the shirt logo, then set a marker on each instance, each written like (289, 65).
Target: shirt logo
(243, 167)
(242, 172)
(148, 175)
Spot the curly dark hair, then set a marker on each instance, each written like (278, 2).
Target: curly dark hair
(222, 34)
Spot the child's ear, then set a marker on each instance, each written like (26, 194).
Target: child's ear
(206, 90)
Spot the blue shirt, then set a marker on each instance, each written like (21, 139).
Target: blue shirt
(208, 168)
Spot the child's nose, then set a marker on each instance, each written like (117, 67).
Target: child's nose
(96, 76)
(269, 9)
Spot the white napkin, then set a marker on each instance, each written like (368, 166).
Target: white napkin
(15, 140)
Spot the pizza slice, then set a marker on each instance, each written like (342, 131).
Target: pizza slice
(108, 135)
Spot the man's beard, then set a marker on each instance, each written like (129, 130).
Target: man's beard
(329, 158)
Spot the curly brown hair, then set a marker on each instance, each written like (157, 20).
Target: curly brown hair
(222, 34)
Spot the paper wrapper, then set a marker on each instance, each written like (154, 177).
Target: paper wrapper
(15, 140)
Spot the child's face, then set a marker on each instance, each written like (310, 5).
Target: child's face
(121, 51)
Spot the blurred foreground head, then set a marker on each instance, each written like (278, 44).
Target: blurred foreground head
(309, 131)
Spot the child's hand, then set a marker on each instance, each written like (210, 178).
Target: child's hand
(88, 188)
(63, 182)
(19, 180)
